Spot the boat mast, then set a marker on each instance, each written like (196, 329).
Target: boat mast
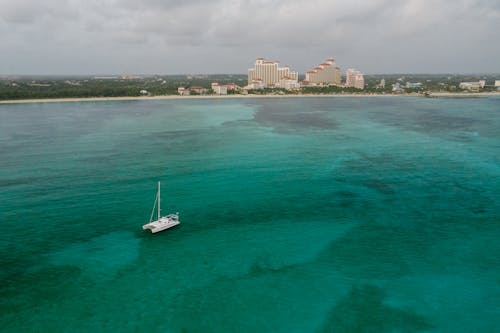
(158, 200)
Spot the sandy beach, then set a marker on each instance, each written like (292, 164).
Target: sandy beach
(138, 98)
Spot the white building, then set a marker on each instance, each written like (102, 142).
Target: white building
(232, 87)
(288, 83)
(471, 86)
(199, 90)
(497, 83)
(397, 89)
(219, 89)
(269, 73)
(414, 85)
(355, 79)
(324, 74)
(256, 84)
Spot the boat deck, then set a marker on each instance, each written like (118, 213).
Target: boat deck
(161, 224)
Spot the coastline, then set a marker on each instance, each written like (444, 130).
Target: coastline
(167, 97)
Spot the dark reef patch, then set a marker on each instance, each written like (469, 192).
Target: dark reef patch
(285, 119)
(431, 121)
(374, 251)
(363, 310)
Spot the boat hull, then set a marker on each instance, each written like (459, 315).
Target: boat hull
(160, 225)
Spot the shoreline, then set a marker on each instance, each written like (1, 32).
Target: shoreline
(176, 97)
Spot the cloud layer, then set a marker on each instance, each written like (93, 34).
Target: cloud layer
(196, 36)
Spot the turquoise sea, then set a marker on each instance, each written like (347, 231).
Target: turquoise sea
(322, 214)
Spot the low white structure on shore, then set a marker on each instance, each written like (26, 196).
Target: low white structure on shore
(219, 89)
(472, 86)
(414, 85)
(288, 83)
(256, 85)
(183, 91)
(397, 89)
(199, 90)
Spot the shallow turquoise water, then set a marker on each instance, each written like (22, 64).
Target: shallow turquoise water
(298, 215)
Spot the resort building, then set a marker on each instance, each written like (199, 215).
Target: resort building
(397, 89)
(199, 90)
(288, 83)
(223, 89)
(219, 89)
(183, 91)
(414, 85)
(232, 87)
(269, 73)
(324, 74)
(256, 84)
(355, 79)
(471, 86)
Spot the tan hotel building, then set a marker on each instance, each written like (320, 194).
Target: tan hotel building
(269, 73)
(325, 73)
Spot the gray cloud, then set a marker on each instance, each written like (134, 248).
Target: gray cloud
(154, 36)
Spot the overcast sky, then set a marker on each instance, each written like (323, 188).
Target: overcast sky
(225, 36)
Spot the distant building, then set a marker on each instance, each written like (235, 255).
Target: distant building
(199, 90)
(219, 89)
(288, 83)
(232, 87)
(397, 89)
(256, 84)
(471, 86)
(34, 84)
(106, 77)
(72, 83)
(269, 73)
(414, 85)
(354, 78)
(381, 85)
(183, 91)
(324, 74)
(129, 77)
(144, 92)
(497, 83)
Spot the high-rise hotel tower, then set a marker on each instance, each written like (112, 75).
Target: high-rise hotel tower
(325, 73)
(354, 78)
(269, 73)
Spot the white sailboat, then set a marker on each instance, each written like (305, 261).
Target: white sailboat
(162, 222)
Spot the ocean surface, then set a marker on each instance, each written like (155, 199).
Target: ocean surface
(323, 214)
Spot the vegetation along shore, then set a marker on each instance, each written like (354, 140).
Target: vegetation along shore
(24, 89)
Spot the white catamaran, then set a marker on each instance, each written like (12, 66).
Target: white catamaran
(163, 222)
